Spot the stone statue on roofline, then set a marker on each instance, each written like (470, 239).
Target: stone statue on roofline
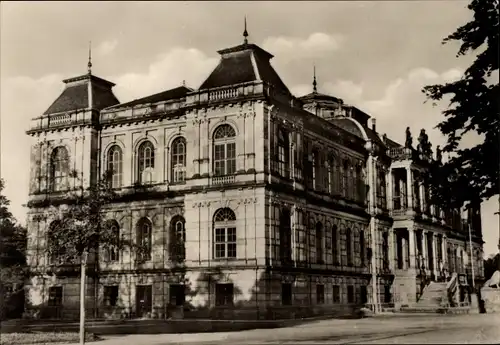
(424, 146)
(439, 155)
(422, 141)
(409, 140)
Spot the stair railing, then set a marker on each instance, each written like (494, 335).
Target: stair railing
(452, 288)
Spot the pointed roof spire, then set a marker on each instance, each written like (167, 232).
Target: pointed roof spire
(245, 32)
(89, 65)
(315, 84)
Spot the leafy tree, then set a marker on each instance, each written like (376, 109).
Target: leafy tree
(471, 174)
(13, 268)
(78, 231)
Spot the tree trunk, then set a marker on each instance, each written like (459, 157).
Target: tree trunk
(82, 299)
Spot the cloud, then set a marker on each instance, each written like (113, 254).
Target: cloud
(167, 71)
(106, 47)
(315, 45)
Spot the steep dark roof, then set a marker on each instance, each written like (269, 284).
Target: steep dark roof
(76, 95)
(320, 97)
(373, 135)
(175, 93)
(347, 125)
(323, 127)
(391, 143)
(244, 63)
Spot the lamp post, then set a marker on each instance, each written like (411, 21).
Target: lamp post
(471, 256)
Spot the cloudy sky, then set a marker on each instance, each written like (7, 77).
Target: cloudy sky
(375, 55)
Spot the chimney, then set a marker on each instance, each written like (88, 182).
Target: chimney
(374, 126)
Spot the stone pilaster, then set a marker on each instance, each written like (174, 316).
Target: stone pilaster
(391, 249)
(390, 190)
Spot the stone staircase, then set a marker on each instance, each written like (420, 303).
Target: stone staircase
(434, 296)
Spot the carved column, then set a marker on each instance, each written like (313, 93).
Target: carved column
(391, 239)
(434, 257)
(294, 222)
(411, 236)
(423, 202)
(409, 187)
(425, 250)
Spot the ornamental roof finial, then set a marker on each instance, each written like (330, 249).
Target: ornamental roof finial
(315, 84)
(245, 32)
(89, 65)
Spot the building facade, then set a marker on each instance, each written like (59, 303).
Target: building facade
(278, 206)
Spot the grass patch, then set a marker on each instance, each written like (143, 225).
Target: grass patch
(44, 338)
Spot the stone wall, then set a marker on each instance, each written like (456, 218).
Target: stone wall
(491, 298)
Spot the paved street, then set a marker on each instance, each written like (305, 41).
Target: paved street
(443, 329)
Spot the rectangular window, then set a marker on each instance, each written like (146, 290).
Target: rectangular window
(177, 294)
(350, 294)
(385, 250)
(320, 294)
(286, 294)
(219, 160)
(224, 294)
(225, 243)
(387, 294)
(55, 296)
(336, 293)
(363, 292)
(110, 295)
(335, 245)
(314, 171)
(348, 243)
(231, 158)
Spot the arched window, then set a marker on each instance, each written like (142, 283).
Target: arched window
(335, 245)
(59, 169)
(351, 182)
(144, 239)
(285, 236)
(385, 250)
(177, 239)
(56, 252)
(319, 243)
(115, 168)
(178, 160)
(360, 183)
(338, 175)
(283, 156)
(146, 162)
(345, 178)
(224, 233)
(112, 249)
(331, 174)
(224, 151)
(348, 244)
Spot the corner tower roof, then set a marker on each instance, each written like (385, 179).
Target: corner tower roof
(84, 92)
(244, 63)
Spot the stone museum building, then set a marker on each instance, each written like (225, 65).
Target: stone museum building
(250, 202)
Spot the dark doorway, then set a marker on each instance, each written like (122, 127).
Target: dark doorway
(143, 298)
(177, 295)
